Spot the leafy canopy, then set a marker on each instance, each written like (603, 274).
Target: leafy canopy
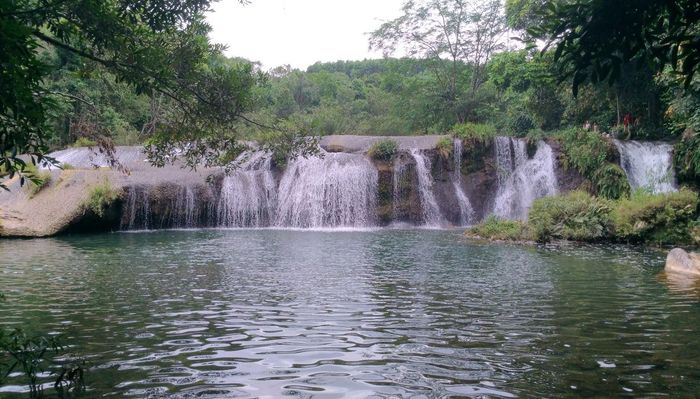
(157, 47)
(594, 39)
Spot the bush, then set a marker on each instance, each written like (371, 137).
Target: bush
(591, 155)
(585, 151)
(520, 124)
(658, 218)
(574, 216)
(686, 158)
(532, 139)
(474, 132)
(611, 181)
(101, 197)
(444, 147)
(383, 150)
(494, 228)
(84, 142)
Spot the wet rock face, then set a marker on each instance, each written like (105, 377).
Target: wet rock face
(569, 179)
(398, 200)
(167, 205)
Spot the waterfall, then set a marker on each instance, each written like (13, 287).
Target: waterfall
(137, 211)
(522, 180)
(248, 195)
(184, 212)
(397, 177)
(466, 212)
(647, 165)
(429, 206)
(336, 190)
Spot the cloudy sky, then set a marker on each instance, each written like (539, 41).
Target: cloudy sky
(299, 32)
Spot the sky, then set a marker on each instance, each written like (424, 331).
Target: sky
(299, 32)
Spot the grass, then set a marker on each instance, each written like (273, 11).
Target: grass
(444, 147)
(474, 132)
(101, 197)
(383, 150)
(494, 228)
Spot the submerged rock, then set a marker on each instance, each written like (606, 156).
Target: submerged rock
(680, 261)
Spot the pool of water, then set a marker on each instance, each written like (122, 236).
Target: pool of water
(419, 314)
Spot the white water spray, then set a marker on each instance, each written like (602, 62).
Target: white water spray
(249, 194)
(466, 211)
(337, 190)
(522, 180)
(429, 206)
(647, 165)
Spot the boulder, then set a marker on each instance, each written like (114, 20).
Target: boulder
(682, 262)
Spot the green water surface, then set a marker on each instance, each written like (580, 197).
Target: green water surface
(409, 314)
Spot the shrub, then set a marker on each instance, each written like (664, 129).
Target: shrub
(474, 132)
(494, 228)
(686, 158)
(383, 150)
(67, 166)
(659, 218)
(101, 197)
(573, 216)
(520, 124)
(693, 230)
(611, 181)
(444, 147)
(84, 142)
(534, 136)
(591, 155)
(585, 151)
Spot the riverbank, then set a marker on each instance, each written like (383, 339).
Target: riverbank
(642, 218)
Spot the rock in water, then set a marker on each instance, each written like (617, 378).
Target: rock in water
(680, 261)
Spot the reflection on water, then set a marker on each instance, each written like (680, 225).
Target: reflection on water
(265, 313)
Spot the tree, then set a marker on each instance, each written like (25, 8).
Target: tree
(524, 14)
(157, 47)
(594, 39)
(466, 33)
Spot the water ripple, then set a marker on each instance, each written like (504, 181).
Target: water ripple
(384, 314)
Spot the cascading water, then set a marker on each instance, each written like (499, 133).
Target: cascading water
(137, 213)
(184, 213)
(336, 190)
(429, 206)
(466, 212)
(397, 178)
(248, 195)
(647, 165)
(522, 180)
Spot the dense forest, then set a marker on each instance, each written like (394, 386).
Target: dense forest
(519, 93)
